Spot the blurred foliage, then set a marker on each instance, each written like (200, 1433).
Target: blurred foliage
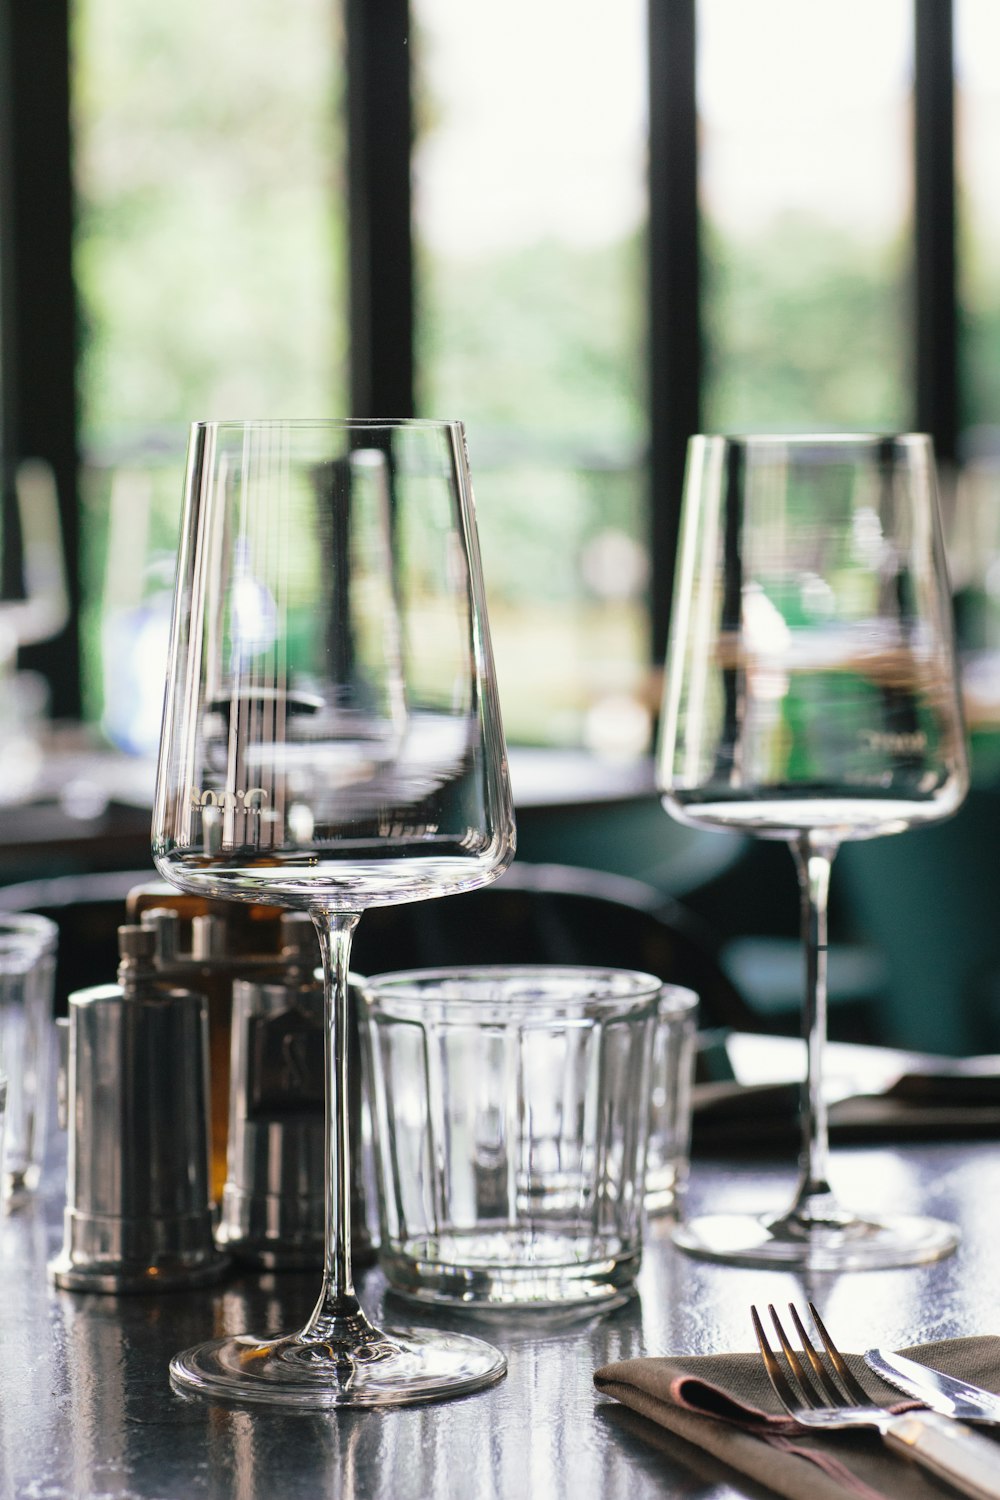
(209, 251)
(540, 351)
(979, 328)
(545, 342)
(806, 328)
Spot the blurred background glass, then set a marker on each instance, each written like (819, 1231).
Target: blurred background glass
(34, 607)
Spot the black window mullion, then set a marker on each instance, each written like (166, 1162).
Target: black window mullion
(380, 134)
(39, 312)
(8, 305)
(936, 340)
(674, 338)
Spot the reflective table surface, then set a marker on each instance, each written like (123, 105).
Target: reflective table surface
(86, 1409)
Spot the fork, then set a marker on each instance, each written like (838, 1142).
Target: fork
(829, 1398)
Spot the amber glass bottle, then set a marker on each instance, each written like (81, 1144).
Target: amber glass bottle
(206, 945)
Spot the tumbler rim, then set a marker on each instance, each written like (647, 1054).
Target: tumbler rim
(515, 994)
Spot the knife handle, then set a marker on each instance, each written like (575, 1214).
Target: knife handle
(950, 1450)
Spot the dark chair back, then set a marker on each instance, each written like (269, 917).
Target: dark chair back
(551, 914)
(556, 914)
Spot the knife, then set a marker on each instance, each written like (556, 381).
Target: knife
(942, 1393)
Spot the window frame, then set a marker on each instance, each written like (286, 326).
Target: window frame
(39, 319)
(39, 315)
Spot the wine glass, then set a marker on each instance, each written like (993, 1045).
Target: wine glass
(331, 742)
(811, 695)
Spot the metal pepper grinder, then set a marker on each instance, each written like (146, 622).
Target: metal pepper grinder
(138, 1216)
(273, 1211)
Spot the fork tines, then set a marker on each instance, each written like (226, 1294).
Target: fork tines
(819, 1389)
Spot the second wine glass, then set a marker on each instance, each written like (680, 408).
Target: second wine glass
(811, 695)
(331, 742)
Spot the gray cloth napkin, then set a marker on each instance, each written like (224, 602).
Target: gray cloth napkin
(916, 1106)
(724, 1404)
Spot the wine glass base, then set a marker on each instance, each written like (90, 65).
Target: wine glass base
(397, 1369)
(850, 1244)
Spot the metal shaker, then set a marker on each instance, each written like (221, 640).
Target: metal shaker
(273, 1211)
(138, 1216)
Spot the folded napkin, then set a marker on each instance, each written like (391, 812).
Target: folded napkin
(722, 1112)
(724, 1405)
(954, 1099)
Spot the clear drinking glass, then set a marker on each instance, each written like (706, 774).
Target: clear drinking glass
(668, 1153)
(331, 742)
(28, 946)
(510, 1118)
(811, 695)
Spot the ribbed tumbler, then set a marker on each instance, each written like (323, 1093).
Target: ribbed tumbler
(510, 1110)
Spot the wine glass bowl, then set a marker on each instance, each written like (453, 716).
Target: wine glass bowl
(346, 709)
(331, 741)
(811, 695)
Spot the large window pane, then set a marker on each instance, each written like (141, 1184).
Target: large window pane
(529, 211)
(209, 253)
(806, 190)
(977, 45)
(974, 536)
(209, 260)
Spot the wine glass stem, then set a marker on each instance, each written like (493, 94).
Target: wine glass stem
(337, 1300)
(813, 860)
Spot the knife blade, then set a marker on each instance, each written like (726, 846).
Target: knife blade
(942, 1393)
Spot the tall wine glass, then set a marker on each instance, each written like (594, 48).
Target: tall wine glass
(811, 695)
(331, 742)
